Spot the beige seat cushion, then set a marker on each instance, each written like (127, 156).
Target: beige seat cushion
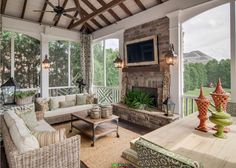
(68, 110)
(65, 104)
(54, 102)
(46, 138)
(42, 126)
(22, 137)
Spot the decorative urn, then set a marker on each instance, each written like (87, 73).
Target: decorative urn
(203, 104)
(220, 97)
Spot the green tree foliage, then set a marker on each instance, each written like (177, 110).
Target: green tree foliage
(198, 74)
(98, 77)
(5, 56)
(75, 62)
(58, 74)
(111, 72)
(27, 59)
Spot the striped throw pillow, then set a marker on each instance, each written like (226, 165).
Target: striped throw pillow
(46, 138)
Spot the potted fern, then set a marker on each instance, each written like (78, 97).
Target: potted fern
(138, 100)
(24, 97)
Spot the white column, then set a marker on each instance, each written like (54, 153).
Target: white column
(69, 67)
(104, 63)
(233, 49)
(122, 56)
(176, 90)
(44, 77)
(12, 56)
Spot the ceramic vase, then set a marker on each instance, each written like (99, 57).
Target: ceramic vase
(203, 104)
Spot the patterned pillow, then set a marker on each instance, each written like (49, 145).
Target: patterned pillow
(42, 105)
(90, 99)
(81, 99)
(27, 114)
(46, 138)
(64, 104)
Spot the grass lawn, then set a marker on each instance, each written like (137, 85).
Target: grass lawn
(206, 90)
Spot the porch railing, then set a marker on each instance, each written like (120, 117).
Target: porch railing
(107, 94)
(63, 90)
(189, 105)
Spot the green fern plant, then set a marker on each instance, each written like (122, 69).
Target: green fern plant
(138, 99)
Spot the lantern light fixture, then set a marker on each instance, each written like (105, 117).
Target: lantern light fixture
(169, 107)
(170, 57)
(46, 62)
(8, 91)
(118, 63)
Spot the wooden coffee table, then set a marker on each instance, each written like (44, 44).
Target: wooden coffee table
(94, 128)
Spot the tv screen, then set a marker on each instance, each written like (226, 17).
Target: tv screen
(142, 51)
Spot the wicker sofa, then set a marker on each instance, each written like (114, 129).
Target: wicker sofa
(59, 115)
(65, 154)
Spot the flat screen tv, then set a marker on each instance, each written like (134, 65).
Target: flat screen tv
(141, 52)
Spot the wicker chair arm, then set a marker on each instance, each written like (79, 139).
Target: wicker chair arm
(65, 154)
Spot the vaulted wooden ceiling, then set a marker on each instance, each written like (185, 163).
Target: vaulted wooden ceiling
(89, 15)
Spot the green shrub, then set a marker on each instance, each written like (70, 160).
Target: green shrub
(138, 99)
(23, 94)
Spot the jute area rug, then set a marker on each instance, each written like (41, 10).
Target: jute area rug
(107, 150)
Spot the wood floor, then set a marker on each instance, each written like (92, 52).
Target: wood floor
(132, 127)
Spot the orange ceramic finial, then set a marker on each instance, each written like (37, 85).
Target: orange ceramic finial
(201, 96)
(219, 89)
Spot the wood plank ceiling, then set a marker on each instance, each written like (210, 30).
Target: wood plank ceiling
(82, 15)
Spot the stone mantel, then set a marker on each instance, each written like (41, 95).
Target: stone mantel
(149, 119)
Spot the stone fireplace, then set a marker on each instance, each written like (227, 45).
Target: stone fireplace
(151, 77)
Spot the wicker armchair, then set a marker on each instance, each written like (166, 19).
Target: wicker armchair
(61, 155)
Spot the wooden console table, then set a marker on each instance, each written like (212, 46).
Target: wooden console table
(181, 137)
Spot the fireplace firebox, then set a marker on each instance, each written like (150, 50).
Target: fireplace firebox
(151, 91)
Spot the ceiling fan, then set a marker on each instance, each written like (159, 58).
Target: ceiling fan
(58, 10)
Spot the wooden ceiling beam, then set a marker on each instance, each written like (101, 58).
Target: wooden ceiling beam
(140, 4)
(42, 14)
(3, 6)
(23, 10)
(92, 20)
(82, 14)
(125, 9)
(94, 9)
(113, 14)
(98, 12)
(63, 5)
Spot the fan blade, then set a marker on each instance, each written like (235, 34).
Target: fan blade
(49, 3)
(59, 3)
(56, 17)
(69, 16)
(71, 9)
(42, 11)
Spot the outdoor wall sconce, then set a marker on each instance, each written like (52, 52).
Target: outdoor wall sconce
(169, 107)
(118, 62)
(170, 57)
(46, 62)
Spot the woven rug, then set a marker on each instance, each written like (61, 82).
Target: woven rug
(107, 150)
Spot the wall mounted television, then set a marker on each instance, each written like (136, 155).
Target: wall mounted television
(141, 52)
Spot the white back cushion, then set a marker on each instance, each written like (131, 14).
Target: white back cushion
(22, 137)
